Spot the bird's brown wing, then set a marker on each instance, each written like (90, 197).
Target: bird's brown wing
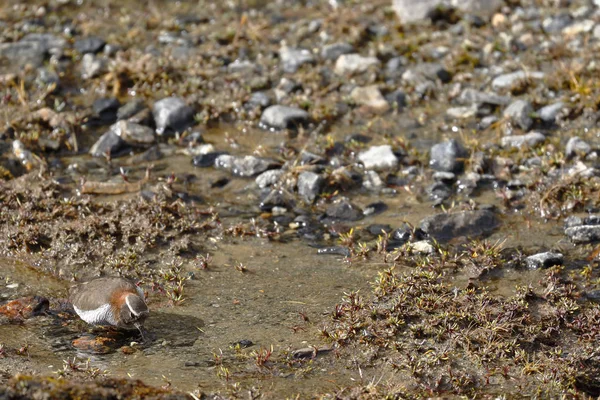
(95, 293)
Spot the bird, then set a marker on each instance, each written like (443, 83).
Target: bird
(111, 301)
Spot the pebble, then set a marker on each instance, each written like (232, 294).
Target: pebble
(549, 113)
(371, 97)
(92, 66)
(354, 63)
(309, 186)
(292, 59)
(335, 50)
(577, 147)
(109, 143)
(284, 117)
(134, 134)
(520, 112)
(378, 158)
(448, 156)
(342, 209)
(172, 114)
(544, 260)
(446, 226)
(531, 139)
(245, 166)
(472, 96)
(90, 44)
(506, 81)
(583, 233)
(269, 178)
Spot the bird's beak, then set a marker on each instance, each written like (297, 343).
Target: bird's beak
(140, 328)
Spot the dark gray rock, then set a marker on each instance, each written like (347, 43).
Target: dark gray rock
(106, 108)
(283, 117)
(172, 114)
(246, 166)
(396, 99)
(549, 113)
(50, 43)
(277, 198)
(292, 59)
(444, 227)
(375, 208)
(531, 139)
(343, 210)
(472, 96)
(134, 134)
(583, 233)
(258, 100)
(378, 157)
(269, 178)
(90, 44)
(544, 260)
(519, 112)
(309, 185)
(130, 108)
(47, 77)
(448, 156)
(108, 143)
(206, 160)
(577, 147)
(438, 192)
(21, 53)
(333, 51)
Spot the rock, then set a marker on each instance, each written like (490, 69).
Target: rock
(411, 10)
(109, 143)
(48, 77)
(556, 23)
(375, 208)
(269, 178)
(425, 72)
(354, 63)
(343, 210)
(422, 247)
(90, 44)
(544, 260)
(372, 181)
(284, 117)
(130, 108)
(335, 250)
(396, 99)
(259, 100)
(245, 166)
(22, 53)
(549, 113)
(206, 160)
(24, 308)
(94, 344)
(531, 139)
(309, 185)
(577, 147)
(579, 27)
(395, 67)
(448, 156)
(134, 134)
(277, 198)
(335, 50)
(378, 157)
(520, 112)
(583, 233)
(92, 66)
(379, 229)
(462, 112)
(472, 96)
(445, 226)
(172, 114)
(241, 66)
(371, 97)
(49, 42)
(292, 59)
(506, 81)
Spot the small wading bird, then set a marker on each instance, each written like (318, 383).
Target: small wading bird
(110, 301)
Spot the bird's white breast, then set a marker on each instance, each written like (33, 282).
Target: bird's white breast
(99, 316)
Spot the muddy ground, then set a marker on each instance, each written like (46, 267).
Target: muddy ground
(319, 200)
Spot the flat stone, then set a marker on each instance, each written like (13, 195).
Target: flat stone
(108, 143)
(378, 157)
(354, 63)
(520, 112)
(245, 166)
(411, 10)
(531, 139)
(22, 53)
(544, 260)
(92, 66)
(172, 114)
(269, 178)
(134, 134)
(447, 226)
(506, 81)
(583, 233)
(472, 96)
(462, 112)
(335, 50)
(90, 44)
(579, 27)
(130, 108)
(283, 117)
(292, 59)
(342, 209)
(577, 146)
(549, 113)
(371, 97)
